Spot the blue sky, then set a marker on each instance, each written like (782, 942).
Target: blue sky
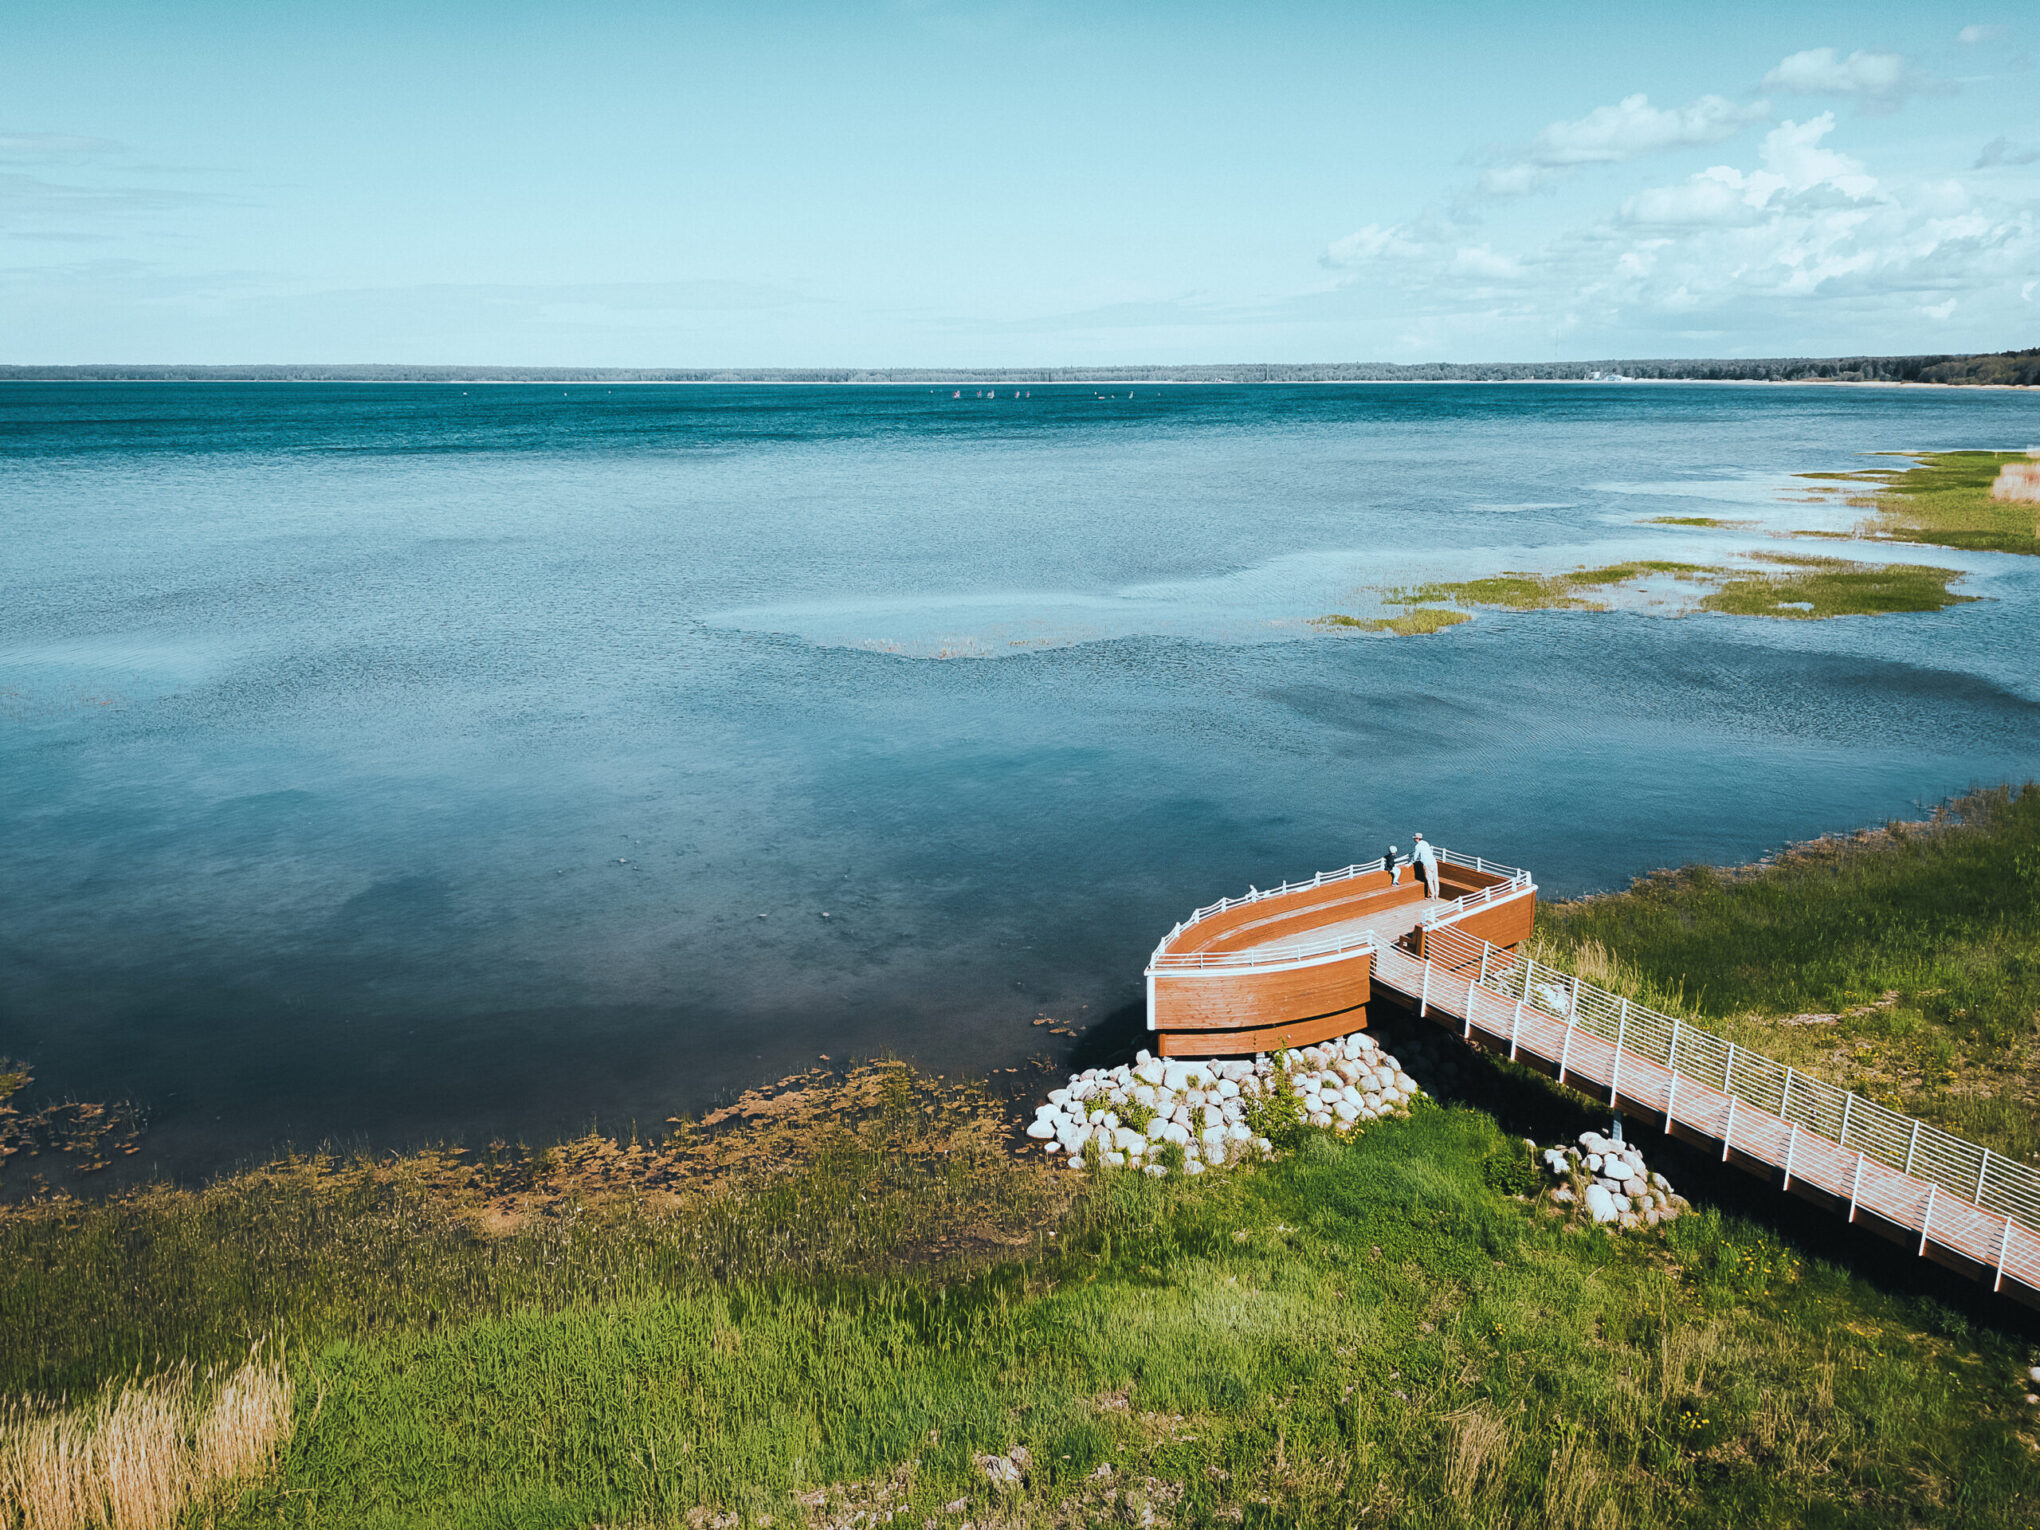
(906, 182)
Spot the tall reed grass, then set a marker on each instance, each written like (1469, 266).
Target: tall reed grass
(146, 1452)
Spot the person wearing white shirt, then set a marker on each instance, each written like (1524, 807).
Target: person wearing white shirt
(1425, 860)
(1394, 867)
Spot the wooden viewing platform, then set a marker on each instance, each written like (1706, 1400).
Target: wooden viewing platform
(1294, 964)
(1300, 963)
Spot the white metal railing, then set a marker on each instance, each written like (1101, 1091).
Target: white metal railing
(1495, 892)
(1163, 956)
(1518, 879)
(1951, 1165)
(1280, 953)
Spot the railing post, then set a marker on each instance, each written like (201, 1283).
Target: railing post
(1728, 1072)
(1615, 1071)
(1912, 1147)
(1791, 1151)
(1565, 1051)
(1424, 997)
(1927, 1220)
(1982, 1170)
(1515, 1028)
(1855, 1184)
(2004, 1246)
(1785, 1099)
(1847, 1100)
(1672, 1067)
(1728, 1133)
(1485, 948)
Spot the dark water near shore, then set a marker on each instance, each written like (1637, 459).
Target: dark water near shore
(390, 763)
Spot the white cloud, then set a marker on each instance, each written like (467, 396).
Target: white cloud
(1794, 165)
(1981, 34)
(1721, 195)
(1489, 265)
(1803, 236)
(1515, 180)
(1633, 127)
(1375, 242)
(2002, 151)
(1881, 81)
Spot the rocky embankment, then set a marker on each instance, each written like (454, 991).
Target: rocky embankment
(1161, 1115)
(1608, 1178)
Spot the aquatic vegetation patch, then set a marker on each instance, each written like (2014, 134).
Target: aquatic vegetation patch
(69, 1137)
(1420, 622)
(1784, 585)
(1808, 589)
(1945, 499)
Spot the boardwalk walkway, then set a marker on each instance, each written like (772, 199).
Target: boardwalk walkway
(1954, 1202)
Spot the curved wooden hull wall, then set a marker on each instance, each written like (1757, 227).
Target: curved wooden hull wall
(1223, 1012)
(1499, 924)
(1261, 1039)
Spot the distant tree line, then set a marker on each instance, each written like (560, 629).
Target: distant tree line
(2021, 368)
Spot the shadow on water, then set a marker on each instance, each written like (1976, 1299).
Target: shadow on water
(1112, 1040)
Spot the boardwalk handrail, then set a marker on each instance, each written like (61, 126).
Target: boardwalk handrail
(1518, 879)
(1950, 1165)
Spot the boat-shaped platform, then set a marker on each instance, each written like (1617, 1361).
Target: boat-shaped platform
(1294, 964)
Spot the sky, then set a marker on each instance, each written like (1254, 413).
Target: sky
(1012, 182)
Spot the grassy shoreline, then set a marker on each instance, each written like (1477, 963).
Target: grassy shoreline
(851, 1297)
(1943, 499)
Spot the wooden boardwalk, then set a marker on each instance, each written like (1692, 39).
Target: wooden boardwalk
(1950, 1200)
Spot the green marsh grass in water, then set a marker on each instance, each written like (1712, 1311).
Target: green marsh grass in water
(1944, 500)
(1782, 585)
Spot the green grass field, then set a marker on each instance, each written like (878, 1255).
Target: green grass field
(844, 1302)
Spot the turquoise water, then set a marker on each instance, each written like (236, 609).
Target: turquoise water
(383, 763)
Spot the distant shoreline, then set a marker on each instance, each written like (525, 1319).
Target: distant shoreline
(2004, 369)
(1027, 382)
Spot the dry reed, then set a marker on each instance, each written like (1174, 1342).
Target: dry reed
(138, 1458)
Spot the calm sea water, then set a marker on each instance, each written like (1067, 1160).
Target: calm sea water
(384, 763)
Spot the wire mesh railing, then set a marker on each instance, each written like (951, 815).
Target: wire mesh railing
(1952, 1165)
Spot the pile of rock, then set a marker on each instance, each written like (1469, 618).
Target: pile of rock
(1130, 1116)
(1618, 1188)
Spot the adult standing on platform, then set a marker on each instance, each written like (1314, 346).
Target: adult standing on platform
(1425, 860)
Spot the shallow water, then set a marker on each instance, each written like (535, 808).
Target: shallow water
(395, 762)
